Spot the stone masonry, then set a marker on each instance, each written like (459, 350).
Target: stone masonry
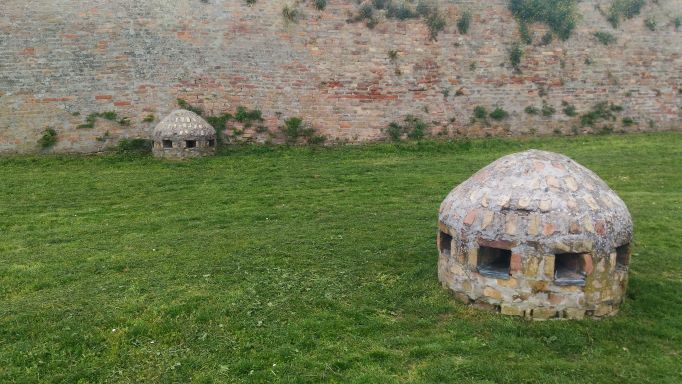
(536, 234)
(183, 134)
(65, 59)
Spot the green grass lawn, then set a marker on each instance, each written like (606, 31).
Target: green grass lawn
(307, 265)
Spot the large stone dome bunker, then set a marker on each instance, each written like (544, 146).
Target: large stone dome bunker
(535, 234)
(183, 134)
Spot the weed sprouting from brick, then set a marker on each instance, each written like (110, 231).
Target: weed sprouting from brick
(91, 119)
(602, 111)
(134, 147)
(320, 5)
(427, 11)
(412, 128)
(48, 139)
(531, 110)
(515, 56)
(605, 38)
(559, 15)
(628, 121)
(185, 105)
(569, 109)
(480, 113)
(623, 9)
(290, 14)
(548, 110)
(297, 131)
(499, 114)
(464, 22)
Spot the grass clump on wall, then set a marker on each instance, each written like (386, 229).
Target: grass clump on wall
(296, 130)
(48, 139)
(560, 16)
(623, 9)
(464, 22)
(605, 38)
(412, 128)
(134, 147)
(371, 12)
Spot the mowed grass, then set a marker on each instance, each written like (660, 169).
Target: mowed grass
(307, 265)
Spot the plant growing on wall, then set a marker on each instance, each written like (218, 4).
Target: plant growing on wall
(185, 105)
(247, 117)
(48, 139)
(628, 121)
(600, 111)
(412, 128)
(531, 110)
(515, 55)
(296, 130)
(109, 115)
(547, 38)
(368, 12)
(134, 147)
(499, 114)
(290, 14)
(569, 109)
(415, 127)
(464, 22)
(623, 9)
(548, 110)
(480, 112)
(560, 16)
(436, 23)
(605, 38)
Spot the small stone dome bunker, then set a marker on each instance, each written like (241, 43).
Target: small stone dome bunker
(183, 134)
(535, 234)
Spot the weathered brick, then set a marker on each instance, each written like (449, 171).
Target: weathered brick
(515, 265)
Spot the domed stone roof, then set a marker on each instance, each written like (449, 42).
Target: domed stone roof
(540, 197)
(184, 124)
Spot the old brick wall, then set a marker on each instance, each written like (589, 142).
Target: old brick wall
(64, 59)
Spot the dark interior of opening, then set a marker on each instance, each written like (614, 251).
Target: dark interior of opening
(569, 269)
(623, 256)
(445, 244)
(190, 143)
(211, 143)
(494, 262)
(168, 144)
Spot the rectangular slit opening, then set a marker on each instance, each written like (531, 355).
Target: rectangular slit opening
(211, 143)
(190, 144)
(445, 243)
(623, 257)
(569, 269)
(167, 143)
(494, 262)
